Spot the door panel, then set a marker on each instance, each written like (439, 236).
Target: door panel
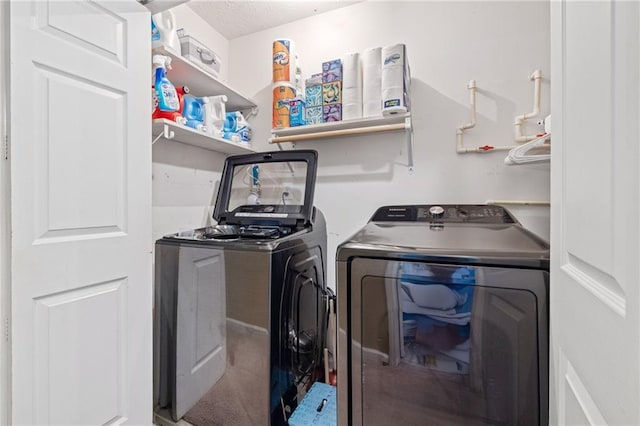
(81, 212)
(595, 217)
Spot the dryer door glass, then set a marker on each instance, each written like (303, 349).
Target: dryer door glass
(442, 345)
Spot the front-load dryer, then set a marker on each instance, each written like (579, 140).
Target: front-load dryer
(241, 306)
(443, 317)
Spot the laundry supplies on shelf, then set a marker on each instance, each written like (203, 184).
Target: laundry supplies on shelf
(171, 115)
(194, 112)
(236, 128)
(165, 92)
(163, 31)
(215, 115)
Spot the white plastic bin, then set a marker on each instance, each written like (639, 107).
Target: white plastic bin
(200, 55)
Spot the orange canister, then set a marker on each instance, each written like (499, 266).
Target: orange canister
(281, 60)
(282, 93)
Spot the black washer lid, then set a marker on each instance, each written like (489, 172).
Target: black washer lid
(267, 214)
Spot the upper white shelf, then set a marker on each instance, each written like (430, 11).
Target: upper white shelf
(172, 130)
(157, 6)
(183, 72)
(342, 128)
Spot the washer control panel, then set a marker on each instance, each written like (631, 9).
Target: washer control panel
(452, 213)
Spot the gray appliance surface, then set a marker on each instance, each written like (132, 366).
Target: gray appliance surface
(240, 307)
(442, 319)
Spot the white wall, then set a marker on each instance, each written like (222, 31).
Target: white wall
(498, 44)
(185, 177)
(5, 264)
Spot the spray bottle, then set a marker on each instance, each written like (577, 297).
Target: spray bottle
(165, 91)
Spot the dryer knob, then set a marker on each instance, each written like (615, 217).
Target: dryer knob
(436, 212)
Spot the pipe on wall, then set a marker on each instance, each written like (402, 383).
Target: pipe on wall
(536, 76)
(460, 130)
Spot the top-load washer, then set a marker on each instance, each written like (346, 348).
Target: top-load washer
(443, 319)
(241, 306)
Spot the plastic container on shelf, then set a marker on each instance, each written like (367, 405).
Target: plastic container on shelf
(200, 55)
(164, 89)
(194, 112)
(167, 36)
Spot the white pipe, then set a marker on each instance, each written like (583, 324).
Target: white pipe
(460, 130)
(519, 137)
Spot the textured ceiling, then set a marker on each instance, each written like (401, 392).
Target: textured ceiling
(235, 18)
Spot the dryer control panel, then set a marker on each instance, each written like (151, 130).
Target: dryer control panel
(444, 213)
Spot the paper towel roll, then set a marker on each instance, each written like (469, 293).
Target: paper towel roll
(286, 65)
(282, 94)
(351, 71)
(352, 103)
(395, 79)
(372, 82)
(351, 87)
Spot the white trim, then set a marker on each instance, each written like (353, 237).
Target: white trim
(5, 234)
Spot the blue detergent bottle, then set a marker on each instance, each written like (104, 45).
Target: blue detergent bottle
(194, 112)
(165, 91)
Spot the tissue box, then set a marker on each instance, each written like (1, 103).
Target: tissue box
(332, 93)
(332, 71)
(306, 413)
(313, 115)
(313, 95)
(200, 55)
(313, 80)
(331, 112)
(296, 113)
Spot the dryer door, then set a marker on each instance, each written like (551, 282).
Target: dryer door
(444, 344)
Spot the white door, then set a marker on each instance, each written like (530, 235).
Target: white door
(81, 212)
(595, 287)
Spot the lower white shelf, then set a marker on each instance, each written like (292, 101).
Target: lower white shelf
(179, 133)
(363, 126)
(359, 126)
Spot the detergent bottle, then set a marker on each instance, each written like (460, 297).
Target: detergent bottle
(167, 35)
(164, 90)
(215, 115)
(236, 127)
(171, 115)
(194, 111)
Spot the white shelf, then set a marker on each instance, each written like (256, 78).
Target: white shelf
(179, 133)
(341, 128)
(157, 6)
(391, 123)
(183, 72)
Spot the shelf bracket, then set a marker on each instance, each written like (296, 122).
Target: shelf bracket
(409, 129)
(253, 111)
(166, 133)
